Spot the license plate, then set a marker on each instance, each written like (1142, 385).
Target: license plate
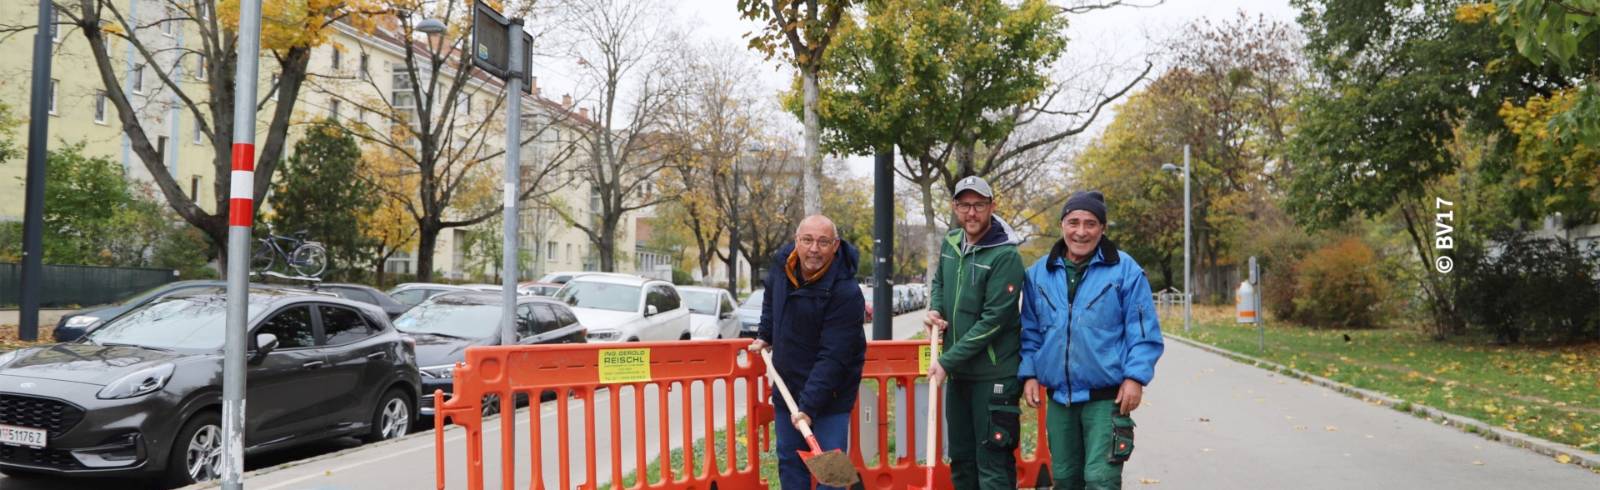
(23, 436)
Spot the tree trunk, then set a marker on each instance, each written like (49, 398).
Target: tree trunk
(733, 260)
(812, 173)
(934, 233)
(427, 238)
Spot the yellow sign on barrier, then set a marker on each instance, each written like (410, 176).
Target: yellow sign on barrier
(924, 356)
(624, 365)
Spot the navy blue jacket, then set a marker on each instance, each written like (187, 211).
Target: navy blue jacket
(818, 343)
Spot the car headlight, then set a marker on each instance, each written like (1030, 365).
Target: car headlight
(141, 382)
(445, 371)
(605, 335)
(81, 321)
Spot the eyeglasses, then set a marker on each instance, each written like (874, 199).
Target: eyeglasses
(970, 206)
(808, 242)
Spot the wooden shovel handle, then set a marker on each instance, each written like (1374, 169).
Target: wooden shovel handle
(772, 372)
(933, 406)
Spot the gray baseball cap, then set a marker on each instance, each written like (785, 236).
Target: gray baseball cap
(975, 184)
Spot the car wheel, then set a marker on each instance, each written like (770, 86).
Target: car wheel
(491, 405)
(196, 452)
(392, 417)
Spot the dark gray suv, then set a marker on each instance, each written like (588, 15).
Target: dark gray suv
(141, 395)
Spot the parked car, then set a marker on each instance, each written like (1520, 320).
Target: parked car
(366, 294)
(414, 293)
(866, 293)
(619, 308)
(445, 326)
(73, 325)
(535, 288)
(561, 277)
(487, 288)
(750, 313)
(711, 314)
(141, 395)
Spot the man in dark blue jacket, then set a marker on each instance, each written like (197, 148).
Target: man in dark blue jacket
(1089, 335)
(811, 319)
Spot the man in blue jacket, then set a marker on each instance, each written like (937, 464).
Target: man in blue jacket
(811, 318)
(1089, 335)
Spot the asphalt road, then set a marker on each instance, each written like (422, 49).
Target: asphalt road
(1207, 423)
(344, 463)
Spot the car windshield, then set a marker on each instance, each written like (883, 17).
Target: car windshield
(754, 301)
(600, 296)
(449, 316)
(175, 322)
(700, 302)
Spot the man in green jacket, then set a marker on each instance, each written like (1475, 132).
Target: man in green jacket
(974, 307)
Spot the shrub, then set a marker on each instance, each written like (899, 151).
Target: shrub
(1520, 287)
(1339, 285)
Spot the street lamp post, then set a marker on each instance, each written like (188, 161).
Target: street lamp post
(1188, 232)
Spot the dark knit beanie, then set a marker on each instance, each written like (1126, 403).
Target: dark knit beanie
(1091, 201)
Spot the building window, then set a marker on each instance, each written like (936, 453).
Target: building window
(274, 86)
(53, 84)
(55, 24)
(550, 251)
(364, 63)
(198, 135)
(200, 68)
(405, 98)
(194, 188)
(569, 252)
(138, 79)
(361, 115)
(100, 107)
(169, 23)
(161, 148)
(333, 108)
(338, 57)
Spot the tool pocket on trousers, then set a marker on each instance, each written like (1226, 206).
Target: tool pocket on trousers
(1121, 439)
(1005, 424)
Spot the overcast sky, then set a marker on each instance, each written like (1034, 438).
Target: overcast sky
(1115, 41)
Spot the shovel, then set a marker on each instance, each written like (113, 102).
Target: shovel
(831, 468)
(933, 417)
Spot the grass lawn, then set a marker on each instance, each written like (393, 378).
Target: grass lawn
(769, 459)
(1548, 392)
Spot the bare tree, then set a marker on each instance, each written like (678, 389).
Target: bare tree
(620, 47)
(194, 77)
(445, 140)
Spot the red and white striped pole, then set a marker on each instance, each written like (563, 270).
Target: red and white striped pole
(241, 214)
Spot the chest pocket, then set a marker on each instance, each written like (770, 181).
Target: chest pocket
(976, 277)
(1103, 307)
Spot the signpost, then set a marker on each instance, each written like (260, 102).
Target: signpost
(240, 217)
(499, 46)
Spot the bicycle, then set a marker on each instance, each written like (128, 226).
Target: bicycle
(307, 258)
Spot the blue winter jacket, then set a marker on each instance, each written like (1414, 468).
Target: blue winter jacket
(818, 344)
(1093, 342)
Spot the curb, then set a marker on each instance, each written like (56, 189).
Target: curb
(245, 477)
(1585, 459)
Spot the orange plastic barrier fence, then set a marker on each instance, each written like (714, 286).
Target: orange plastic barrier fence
(900, 363)
(577, 373)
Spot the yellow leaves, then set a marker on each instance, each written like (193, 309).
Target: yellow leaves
(1491, 408)
(303, 23)
(1474, 13)
(1564, 458)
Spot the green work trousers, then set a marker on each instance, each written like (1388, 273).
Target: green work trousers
(1083, 441)
(983, 418)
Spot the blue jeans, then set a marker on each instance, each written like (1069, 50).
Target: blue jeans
(832, 431)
